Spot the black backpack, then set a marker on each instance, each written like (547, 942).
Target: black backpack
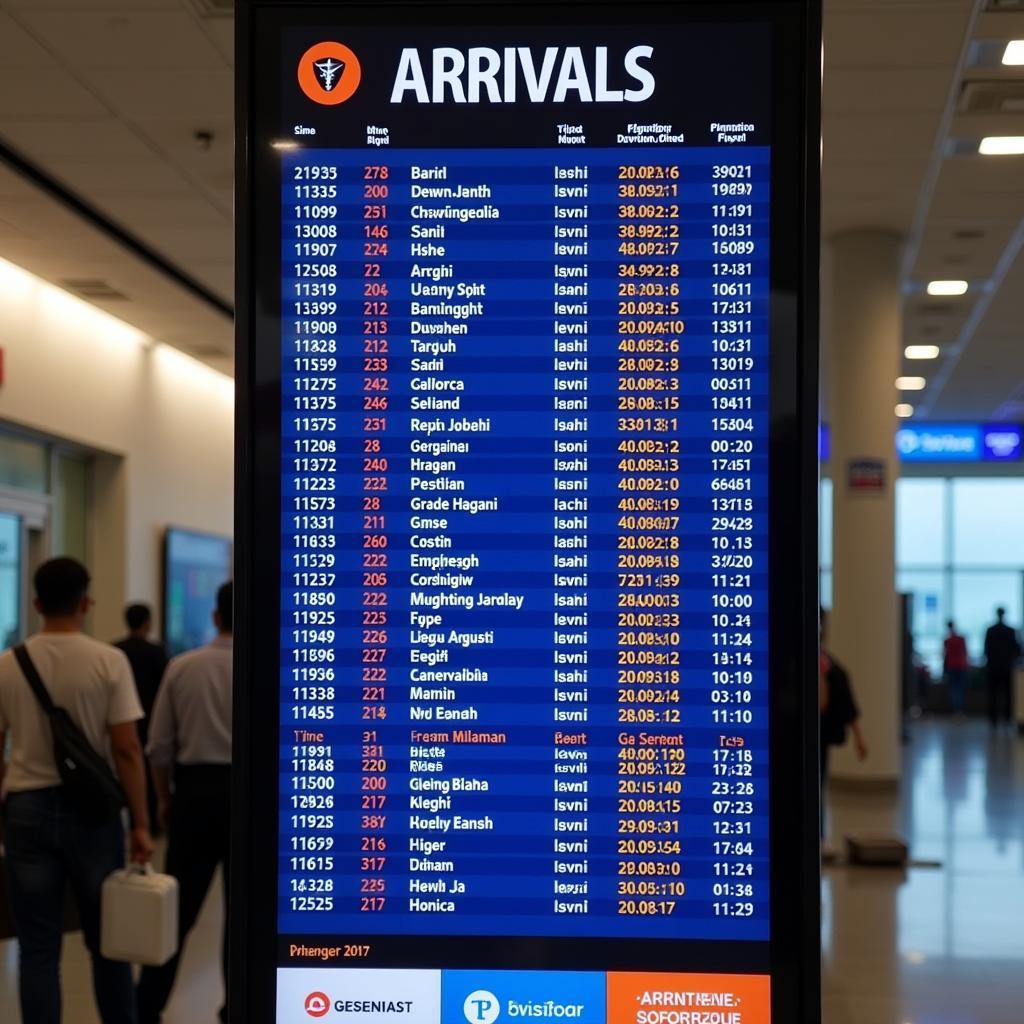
(87, 778)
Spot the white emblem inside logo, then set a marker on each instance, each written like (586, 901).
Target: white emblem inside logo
(329, 72)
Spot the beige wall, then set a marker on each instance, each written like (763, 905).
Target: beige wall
(162, 422)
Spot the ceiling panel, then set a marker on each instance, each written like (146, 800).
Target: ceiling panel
(990, 368)
(187, 245)
(976, 208)
(146, 41)
(62, 137)
(983, 174)
(18, 49)
(1004, 313)
(13, 187)
(893, 134)
(27, 94)
(907, 89)
(881, 212)
(219, 276)
(872, 170)
(887, 34)
(979, 255)
(200, 95)
(222, 33)
(210, 165)
(181, 212)
(150, 176)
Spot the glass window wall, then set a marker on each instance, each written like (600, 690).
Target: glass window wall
(959, 552)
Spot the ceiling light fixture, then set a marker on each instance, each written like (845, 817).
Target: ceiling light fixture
(921, 352)
(910, 383)
(1001, 145)
(1014, 53)
(947, 287)
(904, 410)
(284, 144)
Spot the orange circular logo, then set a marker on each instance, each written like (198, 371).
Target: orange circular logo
(317, 1004)
(329, 73)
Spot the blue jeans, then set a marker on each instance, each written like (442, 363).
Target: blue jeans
(48, 847)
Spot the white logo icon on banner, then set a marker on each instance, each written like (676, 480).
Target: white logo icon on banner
(481, 1007)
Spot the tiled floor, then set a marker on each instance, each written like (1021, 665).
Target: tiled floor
(933, 945)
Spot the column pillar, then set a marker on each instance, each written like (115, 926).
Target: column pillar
(864, 361)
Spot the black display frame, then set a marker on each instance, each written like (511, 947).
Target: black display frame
(794, 948)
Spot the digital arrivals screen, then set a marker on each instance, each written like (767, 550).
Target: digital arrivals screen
(524, 285)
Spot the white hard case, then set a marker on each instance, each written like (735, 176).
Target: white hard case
(139, 917)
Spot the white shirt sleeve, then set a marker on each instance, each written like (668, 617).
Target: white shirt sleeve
(124, 705)
(161, 746)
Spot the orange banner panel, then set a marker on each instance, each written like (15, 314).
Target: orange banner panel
(689, 999)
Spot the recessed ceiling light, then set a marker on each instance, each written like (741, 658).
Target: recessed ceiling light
(910, 383)
(921, 351)
(1002, 145)
(284, 144)
(904, 410)
(947, 287)
(1014, 52)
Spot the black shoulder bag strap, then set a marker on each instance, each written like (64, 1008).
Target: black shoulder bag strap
(31, 673)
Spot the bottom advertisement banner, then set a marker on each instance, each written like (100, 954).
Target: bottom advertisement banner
(371, 996)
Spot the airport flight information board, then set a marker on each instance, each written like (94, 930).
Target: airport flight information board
(525, 354)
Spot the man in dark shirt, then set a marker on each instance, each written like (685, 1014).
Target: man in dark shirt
(1002, 649)
(148, 661)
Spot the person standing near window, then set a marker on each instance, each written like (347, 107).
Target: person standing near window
(956, 666)
(1002, 649)
(50, 843)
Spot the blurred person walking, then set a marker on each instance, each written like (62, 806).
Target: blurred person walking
(190, 755)
(49, 838)
(838, 711)
(956, 666)
(148, 661)
(1002, 649)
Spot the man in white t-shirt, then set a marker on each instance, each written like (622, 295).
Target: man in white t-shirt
(49, 844)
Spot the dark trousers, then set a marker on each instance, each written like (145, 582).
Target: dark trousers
(48, 847)
(999, 700)
(956, 679)
(198, 839)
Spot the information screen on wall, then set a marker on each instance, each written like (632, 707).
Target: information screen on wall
(522, 287)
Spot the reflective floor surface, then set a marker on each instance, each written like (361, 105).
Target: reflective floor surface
(935, 944)
(932, 945)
